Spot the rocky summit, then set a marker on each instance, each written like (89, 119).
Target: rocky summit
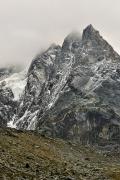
(70, 92)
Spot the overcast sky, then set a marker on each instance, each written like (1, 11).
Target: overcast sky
(27, 26)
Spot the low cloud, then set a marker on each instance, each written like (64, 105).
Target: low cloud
(27, 26)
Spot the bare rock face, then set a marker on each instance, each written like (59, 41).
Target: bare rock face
(7, 106)
(72, 92)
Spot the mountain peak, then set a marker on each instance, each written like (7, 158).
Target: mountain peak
(90, 32)
(90, 27)
(71, 93)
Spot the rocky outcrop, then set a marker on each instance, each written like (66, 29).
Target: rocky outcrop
(7, 106)
(11, 87)
(72, 92)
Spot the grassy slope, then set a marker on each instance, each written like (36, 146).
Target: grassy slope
(24, 155)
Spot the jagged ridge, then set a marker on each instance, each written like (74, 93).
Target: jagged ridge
(72, 91)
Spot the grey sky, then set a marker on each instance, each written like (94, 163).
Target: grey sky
(26, 26)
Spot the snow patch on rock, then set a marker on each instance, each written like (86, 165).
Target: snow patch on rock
(16, 82)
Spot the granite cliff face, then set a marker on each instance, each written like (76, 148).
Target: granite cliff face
(73, 91)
